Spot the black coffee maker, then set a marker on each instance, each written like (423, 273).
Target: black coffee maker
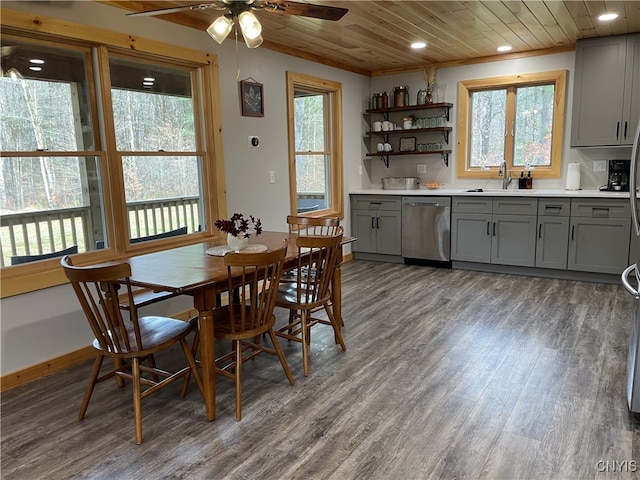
(618, 175)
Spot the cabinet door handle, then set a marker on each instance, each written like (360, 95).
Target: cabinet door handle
(494, 229)
(625, 129)
(373, 224)
(617, 129)
(539, 230)
(573, 228)
(378, 222)
(488, 228)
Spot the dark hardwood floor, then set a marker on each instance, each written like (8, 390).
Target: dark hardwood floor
(447, 374)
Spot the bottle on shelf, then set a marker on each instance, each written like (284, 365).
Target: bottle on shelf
(529, 180)
(522, 182)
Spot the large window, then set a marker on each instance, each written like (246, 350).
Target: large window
(103, 149)
(517, 120)
(315, 145)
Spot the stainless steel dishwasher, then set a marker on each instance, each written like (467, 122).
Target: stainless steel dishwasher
(426, 228)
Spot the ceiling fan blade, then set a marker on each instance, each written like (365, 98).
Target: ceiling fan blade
(164, 11)
(303, 9)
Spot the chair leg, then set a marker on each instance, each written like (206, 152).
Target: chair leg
(238, 376)
(305, 342)
(137, 401)
(92, 383)
(194, 351)
(117, 365)
(281, 357)
(194, 368)
(336, 328)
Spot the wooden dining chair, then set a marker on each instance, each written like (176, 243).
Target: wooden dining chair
(255, 277)
(317, 260)
(129, 343)
(301, 225)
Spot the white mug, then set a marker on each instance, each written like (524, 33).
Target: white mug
(377, 126)
(386, 125)
(381, 147)
(387, 147)
(407, 125)
(392, 126)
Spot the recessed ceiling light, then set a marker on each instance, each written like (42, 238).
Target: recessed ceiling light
(417, 45)
(37, 61)
(504, 48)
(606, 17)
(35, 69)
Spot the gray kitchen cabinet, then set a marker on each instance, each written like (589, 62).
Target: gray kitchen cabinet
(606, 98)
(499, 230)
(376, 223)
(599, 235)
(552, 244)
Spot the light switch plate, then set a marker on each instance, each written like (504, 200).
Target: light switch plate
(254, 141)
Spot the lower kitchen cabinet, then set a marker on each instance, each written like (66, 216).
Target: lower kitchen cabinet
(504, 234)
(376, 223)
(599, 235)
(552, 243)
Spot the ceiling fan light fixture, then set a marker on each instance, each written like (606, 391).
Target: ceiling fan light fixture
(220, 28)
(253, 42)
(250, 26)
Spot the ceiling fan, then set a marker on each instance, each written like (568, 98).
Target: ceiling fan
(241, 11)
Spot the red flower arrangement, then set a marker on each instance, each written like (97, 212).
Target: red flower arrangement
(237, 225)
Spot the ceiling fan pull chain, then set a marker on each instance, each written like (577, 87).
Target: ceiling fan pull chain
(235, 32)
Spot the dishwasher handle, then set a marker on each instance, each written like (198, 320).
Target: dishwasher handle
(423, 204)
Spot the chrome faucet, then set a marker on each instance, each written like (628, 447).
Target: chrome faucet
(506, 179)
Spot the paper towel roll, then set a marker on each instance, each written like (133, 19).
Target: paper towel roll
(573, 177)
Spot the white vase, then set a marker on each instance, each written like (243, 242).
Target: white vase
(237, 243)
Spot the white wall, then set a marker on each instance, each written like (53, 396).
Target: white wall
(42, 325)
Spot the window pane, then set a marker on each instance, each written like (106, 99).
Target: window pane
(44, 102)
(488, 110)
(312, 182)
(162, 194)
(49, 204)
(534, 121)
(153, 109)
(309, 122)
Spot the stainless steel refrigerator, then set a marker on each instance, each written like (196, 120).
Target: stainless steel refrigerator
(631, 281)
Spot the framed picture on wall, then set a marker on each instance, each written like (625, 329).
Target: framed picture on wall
(251, 99)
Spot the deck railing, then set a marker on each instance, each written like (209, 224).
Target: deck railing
(46, 231)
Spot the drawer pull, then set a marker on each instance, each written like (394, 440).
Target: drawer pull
(600, 212)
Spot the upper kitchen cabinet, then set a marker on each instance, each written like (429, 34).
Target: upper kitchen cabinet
(606, 92)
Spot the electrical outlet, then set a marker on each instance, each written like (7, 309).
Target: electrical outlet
(422, 168)
(272, 176)
(600, 166)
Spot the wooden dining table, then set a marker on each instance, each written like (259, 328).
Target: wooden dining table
(190, 270)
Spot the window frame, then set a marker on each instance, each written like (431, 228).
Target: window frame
(333, 90)
(465, 88)
(34, 276)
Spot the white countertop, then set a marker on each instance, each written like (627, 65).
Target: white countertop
(539, 192)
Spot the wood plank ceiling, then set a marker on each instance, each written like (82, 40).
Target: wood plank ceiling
(373, 38)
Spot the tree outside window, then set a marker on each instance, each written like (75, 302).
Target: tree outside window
(518, 120)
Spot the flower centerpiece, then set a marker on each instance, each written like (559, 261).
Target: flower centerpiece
(238, 229)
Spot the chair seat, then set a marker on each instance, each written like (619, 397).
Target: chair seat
(288, 296)
(155, 332)
(229, 327)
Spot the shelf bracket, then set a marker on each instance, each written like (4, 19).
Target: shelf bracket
(445, 158)
(385, 160)
(446, 137)
(446, 113)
